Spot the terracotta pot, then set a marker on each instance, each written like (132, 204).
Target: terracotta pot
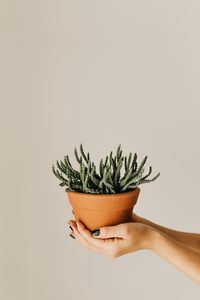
(98, 210)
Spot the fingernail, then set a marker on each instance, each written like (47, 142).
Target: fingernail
(71, 228)
(96, 232)
(73, 212)
(72, 236)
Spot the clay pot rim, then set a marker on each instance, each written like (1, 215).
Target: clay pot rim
(105, 195)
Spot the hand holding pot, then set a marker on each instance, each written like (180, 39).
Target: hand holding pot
(113, 241)
(181, 249)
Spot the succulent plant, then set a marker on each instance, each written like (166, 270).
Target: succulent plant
(108, 180)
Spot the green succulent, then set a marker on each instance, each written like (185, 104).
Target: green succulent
(108, 180)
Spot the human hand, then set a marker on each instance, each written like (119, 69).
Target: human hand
(113, 241)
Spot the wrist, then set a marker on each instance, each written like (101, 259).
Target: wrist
(140, 219)
(151, 237)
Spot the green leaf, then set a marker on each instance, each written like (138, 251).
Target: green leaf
(83, 153)
(118, 152)
(76, 155)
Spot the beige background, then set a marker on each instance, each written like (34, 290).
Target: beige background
(100, 73)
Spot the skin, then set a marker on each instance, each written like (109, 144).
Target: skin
(181, 249)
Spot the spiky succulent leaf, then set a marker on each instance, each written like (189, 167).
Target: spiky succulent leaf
(150, 170)
(106, 161)
(118, 152)
(101, 167)
(129, 160)
(150, 180)
(76, 155)
(83, 153)
(117, 174)
(140, 167)
(134, 162)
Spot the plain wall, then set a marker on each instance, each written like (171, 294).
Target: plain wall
(99, 73)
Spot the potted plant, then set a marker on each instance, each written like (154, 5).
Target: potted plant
(106, 197)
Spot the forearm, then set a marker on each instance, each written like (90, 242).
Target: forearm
(191, 240)
(183, 258)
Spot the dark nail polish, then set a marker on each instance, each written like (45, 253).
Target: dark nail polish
(72, 236)
(73, 212)
(71, 228)
(96, 232)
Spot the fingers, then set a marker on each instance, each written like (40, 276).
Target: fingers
(108, 246)
(107, 232)
(84, 236)
(77, 235)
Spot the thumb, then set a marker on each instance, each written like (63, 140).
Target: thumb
(108, 232)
